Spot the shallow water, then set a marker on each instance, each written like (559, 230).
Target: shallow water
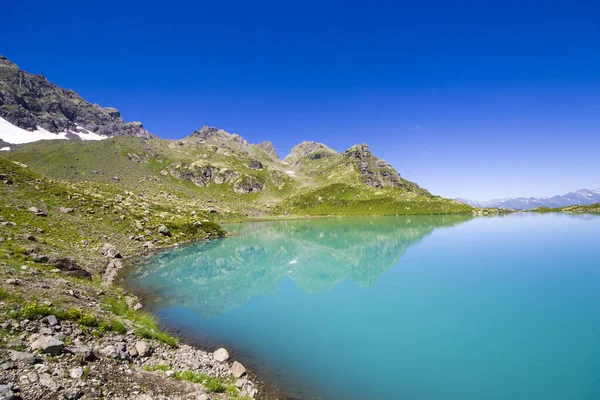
(419, 307)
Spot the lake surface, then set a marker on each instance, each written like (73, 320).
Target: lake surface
(419, 307)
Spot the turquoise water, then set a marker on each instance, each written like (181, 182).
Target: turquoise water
(420, 308)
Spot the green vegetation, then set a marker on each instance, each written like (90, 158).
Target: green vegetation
(145, 323)
(152, 368)
(212, 385)
(591, 209)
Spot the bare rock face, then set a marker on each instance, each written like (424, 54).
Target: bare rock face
(30, 101)
(268, 148)
(375, 172)
(247, 184)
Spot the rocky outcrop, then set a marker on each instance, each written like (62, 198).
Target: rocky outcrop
(31, 102)
(247, 184)
(312, 150)
(196, 173)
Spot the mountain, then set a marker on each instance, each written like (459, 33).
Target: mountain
(32, 108)
(217, 171)
(582, 197)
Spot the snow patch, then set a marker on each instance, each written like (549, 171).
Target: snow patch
(13, 134)
(5, 149)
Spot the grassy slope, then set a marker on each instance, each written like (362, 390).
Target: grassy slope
(102, 213)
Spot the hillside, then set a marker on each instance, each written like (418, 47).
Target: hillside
(222, 173)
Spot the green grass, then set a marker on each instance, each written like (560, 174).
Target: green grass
(146, 325)
(152, 368)
(212, 385)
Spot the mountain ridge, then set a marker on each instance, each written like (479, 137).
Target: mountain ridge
(43, 110)
(583, 197)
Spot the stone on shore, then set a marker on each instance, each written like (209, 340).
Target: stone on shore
(237, 370)
(110, 251)
(221, 355)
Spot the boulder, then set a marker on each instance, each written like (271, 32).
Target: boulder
(24, 357)
(7, 393)
(237, 370)
(65, 210)
(110, 351)
(48, 344)
(68, 267)
(221, 355)
(51, 320)
(163, 230)
(143, 348)
(110, 251)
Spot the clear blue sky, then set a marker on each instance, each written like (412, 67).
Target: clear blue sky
(473, 99)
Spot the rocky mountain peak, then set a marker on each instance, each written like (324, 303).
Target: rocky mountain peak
(32, 103)
(313, 150)
(359, 152)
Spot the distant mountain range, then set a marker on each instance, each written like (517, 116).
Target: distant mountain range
(581, 197)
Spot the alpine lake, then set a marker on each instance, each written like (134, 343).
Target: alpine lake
(405, 307)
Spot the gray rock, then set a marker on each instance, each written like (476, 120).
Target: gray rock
(132, 351)
(24, 357)
(83, 353)
(48, 344)
(163, 230)
(237, 370)
(143, 349)
(76, 373)
(110, 251)
(110, 351)
(138, 306)
(51, 320)
(65, 210)
(13, 281)
(68, 267)
(221, 355)
(6, 392)
(45, 380)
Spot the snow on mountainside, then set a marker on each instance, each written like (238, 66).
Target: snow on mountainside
(582, 197)
(32, 108)
(12, 134)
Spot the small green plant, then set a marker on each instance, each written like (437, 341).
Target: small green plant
(32, 310)
(86, 372)
(213, 385)
(160, 367)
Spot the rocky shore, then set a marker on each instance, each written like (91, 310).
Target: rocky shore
(79, 355)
